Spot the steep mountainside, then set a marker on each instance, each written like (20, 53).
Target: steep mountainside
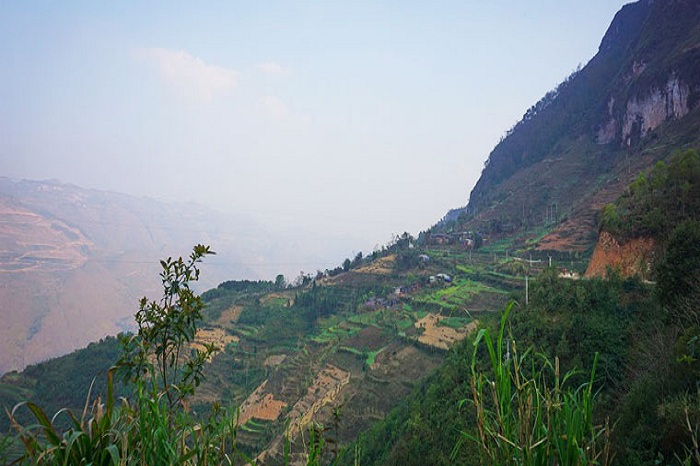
(576, 149)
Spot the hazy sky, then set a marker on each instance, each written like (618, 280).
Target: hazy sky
(358, 118)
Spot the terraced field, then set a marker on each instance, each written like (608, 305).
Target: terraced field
(342, 350)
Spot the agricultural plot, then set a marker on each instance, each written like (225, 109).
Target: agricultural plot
(274, 360)
(216, 336)
(433, 334)
(285, 299)
(350, 342)
(382, 266)
(261, 404)
(245, 331)
(456, 296)
(372, 393)
(229, 316)
(336, 334)
(324, 390)
(254, 427)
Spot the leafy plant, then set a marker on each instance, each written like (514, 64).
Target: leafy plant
(91, 439)
(678, 273)
(684, 410)
(165, 328)
(655, 204)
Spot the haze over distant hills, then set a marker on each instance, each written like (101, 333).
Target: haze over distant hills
(357, 341)
(74, 262)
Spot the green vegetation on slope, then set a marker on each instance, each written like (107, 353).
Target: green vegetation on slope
(573, 320)
(425, 425)
(644, 336)
(62, 382)
(646, 340)
(655, 203)
(529, 412)
(355, 321)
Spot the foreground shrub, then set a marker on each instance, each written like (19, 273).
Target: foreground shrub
(155, 427)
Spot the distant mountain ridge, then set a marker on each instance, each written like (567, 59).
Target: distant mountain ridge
(74, 261)
(632, 104)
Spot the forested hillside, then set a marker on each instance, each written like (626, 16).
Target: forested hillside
(645, 336)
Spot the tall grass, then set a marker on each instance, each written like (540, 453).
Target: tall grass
(145, 433)
(119, 433)
(527, 412)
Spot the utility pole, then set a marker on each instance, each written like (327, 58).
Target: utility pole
(527, 291)
(527, 282)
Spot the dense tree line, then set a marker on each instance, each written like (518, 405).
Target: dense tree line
(657, 202)
(645, 373)
(62, 382)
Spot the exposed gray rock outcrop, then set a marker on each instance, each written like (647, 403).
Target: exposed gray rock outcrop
(643, 114)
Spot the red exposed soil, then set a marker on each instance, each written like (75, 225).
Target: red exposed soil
(631, 258)
(261, 405)
(572, 235)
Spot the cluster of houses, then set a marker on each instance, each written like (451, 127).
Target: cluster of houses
(464, 238)
(392, 300)
(439, 278)
(424, 259)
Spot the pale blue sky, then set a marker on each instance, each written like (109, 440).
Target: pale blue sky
(357, 118)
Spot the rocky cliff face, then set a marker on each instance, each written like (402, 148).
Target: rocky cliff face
(657, 49)
(662, 104)
(643, 114)
(633, 104)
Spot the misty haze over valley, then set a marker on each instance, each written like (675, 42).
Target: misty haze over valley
(295, 233)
